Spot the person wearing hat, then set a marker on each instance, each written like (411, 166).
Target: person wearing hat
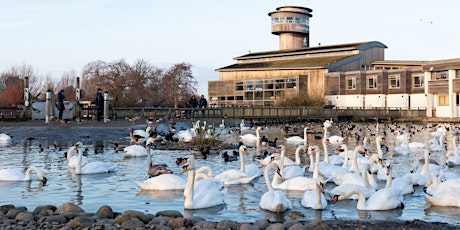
(61, 107)
(99, 100)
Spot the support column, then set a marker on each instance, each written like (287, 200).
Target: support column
(452, 95)
(48, 107)
(429, 96)
(106, 106)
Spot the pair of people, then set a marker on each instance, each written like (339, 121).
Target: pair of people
(202, 103)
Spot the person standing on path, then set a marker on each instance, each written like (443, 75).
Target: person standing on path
(61, 107)
(203, 104)
(99, 100)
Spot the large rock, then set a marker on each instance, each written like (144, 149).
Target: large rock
(161, 220)
(60, 219)
(275, 226)
(133, 223)
(105, 211)
(69, 207)
(12, 213)
(228, 224)
(81, 222)
(248, 227)
(298, 227)
(177, 223)
(139, 215)
(5, 208)
(261, 224)
(169, 213)
(42, 208)
(24, 217)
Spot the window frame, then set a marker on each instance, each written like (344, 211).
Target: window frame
(351, 86)
(421, 83)
(397, 79)
(374, 84)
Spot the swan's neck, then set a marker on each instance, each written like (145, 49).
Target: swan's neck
(205, 168)
(30, 170)
(325, 133)
(312, 160)
(305, 140)
(242, 168)
(318, 197)
(326, 153)
(188, 191)
(79, 161)
(365, 176)
(427, 162)
(389, 178)
(297, 154)
(283, 153)
(70, 152)
(149, 158)
(379, 147)
(316, 171)
(355, 161)
(267, 180)
(345, 160)
(361, 200)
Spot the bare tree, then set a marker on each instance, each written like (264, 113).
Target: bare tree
(178, 84)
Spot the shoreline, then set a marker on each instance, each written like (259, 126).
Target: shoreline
(71, 216)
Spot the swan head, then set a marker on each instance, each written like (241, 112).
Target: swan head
(79, 144)
(280, 148)
(150, 141)
(243, 149)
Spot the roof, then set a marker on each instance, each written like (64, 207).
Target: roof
(301, 63)
(400, 62)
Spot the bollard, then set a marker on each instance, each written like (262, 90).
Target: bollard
(48, 107)
(106, 106)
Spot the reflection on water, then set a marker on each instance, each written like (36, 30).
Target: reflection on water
(119, 190)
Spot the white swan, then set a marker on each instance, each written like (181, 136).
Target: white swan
(293, 170)
(453, 159)
(196, 198)
(244, 175)
(402, 184)
(347, 187)
(243, 127)
(314, 199)
(274, 200)
(72, 160)
(137, 136)
(252, 137)
(4, 137)
(298, 139)
(16, 175)
(383, 199)
(334, 139)
(92, 167)
(134, 151)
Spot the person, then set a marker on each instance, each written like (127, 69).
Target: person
(61, 107)
(193, 103)
(99, 100)
(203, 104)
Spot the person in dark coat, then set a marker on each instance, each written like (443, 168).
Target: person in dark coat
(193, 103)
(61, 107)
(203, 104)
(99, 100)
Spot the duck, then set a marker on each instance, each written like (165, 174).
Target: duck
(244, 175)
(155, 169)
(274, 200)
(16, 175)
(314, 199)
(72, 161)
(229, 158)
(92, 167)
(198, 199)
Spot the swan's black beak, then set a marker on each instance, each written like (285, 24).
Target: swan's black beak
(44, 180)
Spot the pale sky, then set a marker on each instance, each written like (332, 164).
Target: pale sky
(57, 36)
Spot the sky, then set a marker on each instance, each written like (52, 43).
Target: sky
(59, 36)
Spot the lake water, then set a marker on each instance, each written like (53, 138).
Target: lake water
(119, 190)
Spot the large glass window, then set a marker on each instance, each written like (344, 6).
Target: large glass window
(351, 83)
(291, 83)
(418, 81)
(443, 100)
(239, 98)
(249, 85)
(249, 95)
(372, 82)
(230, 98)
(259, 95)
(394, 81)
(269, 84)
(259, 85)
(239, 86)
(440, 75)
(280, 84)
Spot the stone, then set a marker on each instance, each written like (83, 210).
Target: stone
(56, 219)
(69, 207)
(248, 227)
(42, 208)
(298, 227)
(161, 220)
(169, 213)
(209, 225)
(12, 213)
(289, 223)
(133, 223)
(262, 224)
(275, 226)
(121, 218)
(81, 222)
(192, 221)
(315, 224)
(139, 215)
(105, 211)
(5, 208)
(227, 224)
(177, 223)
(24, 216)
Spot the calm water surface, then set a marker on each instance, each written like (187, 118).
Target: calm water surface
(119, 190)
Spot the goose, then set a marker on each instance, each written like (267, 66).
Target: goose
(274, 200)
(314, 199)
(4, 137)
(16, 175)
(92, 167)
(298, 139)
(134, 151)
(383, 199)
(137, 136)
(172, 181)
(72, 161)
(244, 175)
(198, 199)
(157, 169)
(295, 169)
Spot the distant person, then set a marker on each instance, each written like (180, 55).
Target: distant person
(193, 103)
(203, 104)
(61, 106)
(99, 100)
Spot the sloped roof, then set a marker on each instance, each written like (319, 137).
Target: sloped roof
(301, 63)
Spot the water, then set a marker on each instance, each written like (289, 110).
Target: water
(119, 190)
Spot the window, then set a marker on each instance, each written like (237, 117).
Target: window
(239, 98)
(269, 84)
(279, 94)
(443, 100)
(394, 81)
(249, 85)
(230, 98)
(268, 95)
(440, 75)
(351, 83)
(258, 95)
(372, 82)
(289, 19)
(238, 86)
(249, 95)
(259, 85)
(291, 83)
(418, 81)
(280, 84)
(221, 98)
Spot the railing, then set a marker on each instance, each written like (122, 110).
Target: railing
(270, 112)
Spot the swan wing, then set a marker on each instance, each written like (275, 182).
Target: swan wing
(297, 183)
(11, 175)
(275, 201)
(163, 182)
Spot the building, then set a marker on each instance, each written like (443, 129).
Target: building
(345, 75)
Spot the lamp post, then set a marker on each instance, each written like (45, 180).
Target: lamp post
(48, 107)
(106, 106)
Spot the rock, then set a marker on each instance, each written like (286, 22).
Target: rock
(24, 216)
(47, 212)
(5, 208)
(56, 219)
(12, 213)
(298, 227)
(159, 227)
(42, 208)
(275, 226)
(227, 224)
(69, 207)
(139, 215)
(161, 220)
(192, 221)
(133, 223)
(176, 223)
(82, 222)
(289, 223)
(121, 219)
(105, 211)
(261, 224)
(315, 224)
(169, 213)
(209, 225)
(248, 227)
